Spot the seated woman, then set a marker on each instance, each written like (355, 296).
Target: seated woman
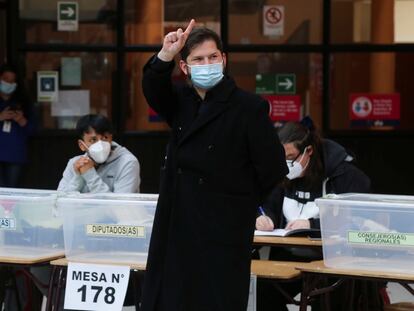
(316, 167)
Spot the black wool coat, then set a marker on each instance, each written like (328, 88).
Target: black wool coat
(219, 166)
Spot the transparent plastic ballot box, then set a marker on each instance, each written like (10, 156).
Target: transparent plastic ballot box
(29, 224)
(107, 228)
(368, 232)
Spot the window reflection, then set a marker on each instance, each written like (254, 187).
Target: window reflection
(383, 79)
(148, 21)
(96, 76)
(97, 23)
(275, 22)
(140, 117)
(291, 81)
(3, 39)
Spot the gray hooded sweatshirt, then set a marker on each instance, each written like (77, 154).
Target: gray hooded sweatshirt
(119, 173)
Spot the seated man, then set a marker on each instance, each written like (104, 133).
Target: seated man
(105, 166)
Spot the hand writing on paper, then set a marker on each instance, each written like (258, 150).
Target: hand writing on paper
(264, 223)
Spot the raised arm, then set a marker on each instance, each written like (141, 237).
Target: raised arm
(156, 83)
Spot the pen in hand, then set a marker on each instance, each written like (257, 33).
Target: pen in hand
(264, 222)
(262, 211)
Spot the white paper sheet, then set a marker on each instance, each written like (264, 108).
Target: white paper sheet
(276, 232)
(71, 103)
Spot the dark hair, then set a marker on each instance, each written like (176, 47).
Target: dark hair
(198, 36)
(7, 68)
(96, 122)
(20, 96)
(301, 136)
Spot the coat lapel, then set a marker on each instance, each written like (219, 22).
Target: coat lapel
(217, 100)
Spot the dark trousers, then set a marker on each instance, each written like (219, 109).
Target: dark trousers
(10, 174)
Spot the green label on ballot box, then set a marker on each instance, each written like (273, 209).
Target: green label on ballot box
(115, 230)
(381, 238)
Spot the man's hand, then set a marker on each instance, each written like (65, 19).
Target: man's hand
(20, 118)
(7, 114)
(174, 42)
(298, 224)
(264, 223)
(82, 165)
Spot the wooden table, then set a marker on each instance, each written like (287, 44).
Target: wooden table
(315, 274)
(276, 270)
(29, 261)
(273, 270)
(24, 263)
(286, 241)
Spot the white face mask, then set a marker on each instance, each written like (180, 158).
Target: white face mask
(295, 168)
(99, 151)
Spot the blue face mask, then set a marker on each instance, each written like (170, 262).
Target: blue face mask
(7, 88)
(206, 76)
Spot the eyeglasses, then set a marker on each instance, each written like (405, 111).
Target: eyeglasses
(290, 162)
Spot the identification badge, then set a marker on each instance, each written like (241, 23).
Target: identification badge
(6, 126)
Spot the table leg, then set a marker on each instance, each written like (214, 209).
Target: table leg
(16, 291)
(137, 289)
(308, 285)
(51, 291)
(59, 286)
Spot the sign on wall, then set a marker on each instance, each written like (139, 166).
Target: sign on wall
(67, 15)
(284, 108)
(374, 109)
(47, 86)
(273, 20)
(286, 83)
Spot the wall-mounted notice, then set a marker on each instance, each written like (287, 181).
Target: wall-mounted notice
(47, 86)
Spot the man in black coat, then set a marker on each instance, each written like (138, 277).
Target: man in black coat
(222, 160)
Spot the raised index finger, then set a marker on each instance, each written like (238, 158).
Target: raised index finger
(190, 27)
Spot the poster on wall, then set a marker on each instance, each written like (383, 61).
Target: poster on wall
(273, 20)
(71, 72)
(71, 103)
(47, 86)
(369, 110)
(284, 108)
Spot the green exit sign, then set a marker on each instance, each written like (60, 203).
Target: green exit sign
(286, 83)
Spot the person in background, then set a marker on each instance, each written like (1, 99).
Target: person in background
(316, 167)
(16, 125)
(223, 159)
(105, 166)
